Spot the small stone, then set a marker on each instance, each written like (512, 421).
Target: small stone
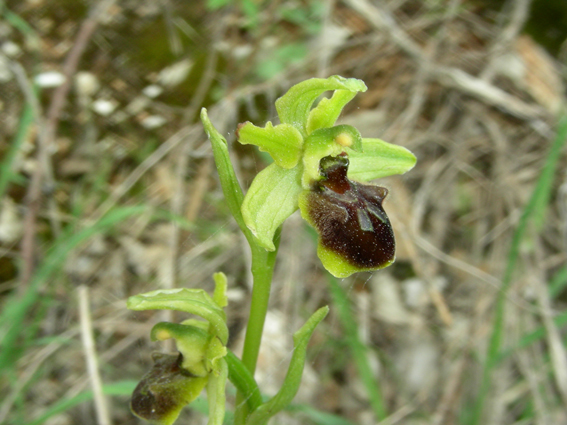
(49, 79)
(104, 107)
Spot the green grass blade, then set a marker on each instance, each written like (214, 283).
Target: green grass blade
(6, 169)
(532, 337)
(17, 307)
(122, 388)
(558, 283)
(316, 416)
(535, 209)
(358, 350)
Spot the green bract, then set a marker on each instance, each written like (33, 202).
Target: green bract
(298, 144)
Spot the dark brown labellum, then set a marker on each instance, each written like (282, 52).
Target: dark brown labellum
(349, 217)
(165, 390)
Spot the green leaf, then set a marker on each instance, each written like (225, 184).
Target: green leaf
(193, 301)
(327, 142)
(283, 142)
(294, 106)
(326, 113)
(271, 199)
(243, 380)
(379, 159)
(294, 372)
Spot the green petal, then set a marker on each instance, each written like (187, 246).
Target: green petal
(191, 341)
(283, 142)
(325, 142)
(379, 159)
(271, 199)
(294, 106)
(326, 113)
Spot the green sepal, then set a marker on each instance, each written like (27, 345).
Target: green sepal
(193, 301)
(327, 111)
(216, 393)
(378, 159)
(271, 199)
(230, 186)
(165, 390)
(283, 142)
(294, 106)
(292, 379)
(324, 142)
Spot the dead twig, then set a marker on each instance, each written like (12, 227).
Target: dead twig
(450, 77)
(101, 407)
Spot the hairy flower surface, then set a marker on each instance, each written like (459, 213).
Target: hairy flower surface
(354, 230)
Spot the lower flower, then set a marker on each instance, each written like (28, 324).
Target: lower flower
(165, 390)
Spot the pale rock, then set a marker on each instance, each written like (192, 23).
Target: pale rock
(86, 83)
(10, 222)
(152, 91)
(175, 74)
(104, 107)
(49, 79)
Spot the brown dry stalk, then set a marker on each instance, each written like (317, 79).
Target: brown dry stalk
(46, 139)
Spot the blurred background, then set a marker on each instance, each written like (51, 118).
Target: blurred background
(108, 189)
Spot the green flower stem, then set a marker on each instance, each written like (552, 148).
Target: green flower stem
(262, 271)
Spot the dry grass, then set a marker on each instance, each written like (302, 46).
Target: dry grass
(455, 82)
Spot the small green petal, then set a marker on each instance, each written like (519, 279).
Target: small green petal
(283, 142)
(327, 142)
(294, 106)
(271, 199)
(379, 159)
(191, 342)
(219, 296)
(326, 113)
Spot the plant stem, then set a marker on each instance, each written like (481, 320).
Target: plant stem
(262, 271)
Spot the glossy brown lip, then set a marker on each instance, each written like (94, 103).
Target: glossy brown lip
(349, 217)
